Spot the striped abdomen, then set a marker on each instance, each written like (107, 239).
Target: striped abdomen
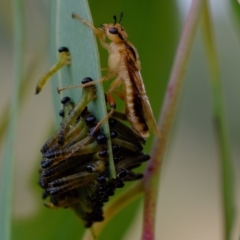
(134, 109)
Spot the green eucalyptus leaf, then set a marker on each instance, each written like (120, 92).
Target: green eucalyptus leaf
(81, 42)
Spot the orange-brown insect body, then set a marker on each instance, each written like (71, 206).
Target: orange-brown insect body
(124, 65)
(123, 62)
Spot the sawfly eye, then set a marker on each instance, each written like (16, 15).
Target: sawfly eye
(113, 30)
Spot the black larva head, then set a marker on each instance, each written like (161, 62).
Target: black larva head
(114, 134)
(42, 183)
(112, 122)
(61, 113)
(117, 159)
(93, 132)
(145, 157)
(119, 184)
(63, 49)
(122, 173)
(44, 195)
(103, 154)
(65, 100)
(102, 188)
(101, 179)
(90, 120)
(89, 168)
(101, 139)
(115, 148)
(54, 201)
(47, 163)
(86, 80)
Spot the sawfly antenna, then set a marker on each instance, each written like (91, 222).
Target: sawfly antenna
(120, 19)
(121, 16)
(115, 19)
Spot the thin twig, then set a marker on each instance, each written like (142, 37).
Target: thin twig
(115, 206)
(151, 178)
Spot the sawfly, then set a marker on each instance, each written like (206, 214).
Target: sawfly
(124, 65)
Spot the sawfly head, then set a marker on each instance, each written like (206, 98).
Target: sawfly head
(115, 31)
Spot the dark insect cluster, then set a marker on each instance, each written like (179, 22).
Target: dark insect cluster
(74, 168)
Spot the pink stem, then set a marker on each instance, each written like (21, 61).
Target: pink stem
(167, 115)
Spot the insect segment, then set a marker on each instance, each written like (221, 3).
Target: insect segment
(81, 180)
(66, 131)
(63, 59)
(88, 95)
(124, 65)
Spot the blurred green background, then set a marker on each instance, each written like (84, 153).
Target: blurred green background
(189, 205)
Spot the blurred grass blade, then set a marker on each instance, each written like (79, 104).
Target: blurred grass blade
(235, 8)
(152, 172)
(25, 88)
(6, 180)
(220, 125)
(81, 42)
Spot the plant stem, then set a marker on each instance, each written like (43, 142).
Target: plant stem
(152, 173)
(115, 206)
(82, 45)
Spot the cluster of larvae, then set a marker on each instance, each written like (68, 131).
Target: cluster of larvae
(74, 169)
